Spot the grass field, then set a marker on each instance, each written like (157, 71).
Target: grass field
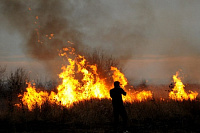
(95, 116)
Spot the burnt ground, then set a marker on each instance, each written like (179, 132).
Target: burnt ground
(178, 125)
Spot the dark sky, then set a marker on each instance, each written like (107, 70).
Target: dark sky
(153, 38)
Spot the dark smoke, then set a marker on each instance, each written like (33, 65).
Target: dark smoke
(156, 37)
(67, 20)
(50, 21)
(36, 20)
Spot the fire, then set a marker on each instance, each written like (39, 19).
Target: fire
(118, 76)
(32, 98)
(132, 96)
(80, 81)
(75, 89)
(178, 92)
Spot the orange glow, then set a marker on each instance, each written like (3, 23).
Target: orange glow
(70, 42)
(52, 35)
(80, 81)
(178, 92)
(74, 89)
(137, 96)
(131, 96)
(33, 98)
(118, 76)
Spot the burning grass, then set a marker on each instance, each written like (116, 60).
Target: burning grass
(95, 115)
(82, 101)
(80, 81)
(178, 92)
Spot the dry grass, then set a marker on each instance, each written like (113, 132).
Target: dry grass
(96, 115)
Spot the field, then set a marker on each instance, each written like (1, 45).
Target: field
(158, 114)
(95, 115)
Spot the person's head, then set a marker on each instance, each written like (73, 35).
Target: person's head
(116, 83)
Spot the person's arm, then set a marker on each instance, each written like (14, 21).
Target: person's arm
(123, 92)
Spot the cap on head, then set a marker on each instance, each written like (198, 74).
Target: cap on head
(116, 83)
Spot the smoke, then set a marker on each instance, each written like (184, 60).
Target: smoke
(119, 27)
(153, 37)
(45, 26)
(37, 20)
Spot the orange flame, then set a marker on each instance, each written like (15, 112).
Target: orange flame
(178, 92)
(80, 81)
(73, 90)
(132, 96)
(118, 76)
(32, 98)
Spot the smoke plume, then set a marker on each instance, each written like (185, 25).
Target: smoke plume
(151, 36)
(45, 27)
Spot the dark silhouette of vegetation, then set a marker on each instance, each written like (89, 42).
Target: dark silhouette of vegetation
(2, 77)
(17, 80)
(94, 115)
(103, 61)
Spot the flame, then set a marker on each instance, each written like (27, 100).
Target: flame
(178, 92)
(132, 96)
(80, 81)
(33, 98)
(73, 90)
(118, 76)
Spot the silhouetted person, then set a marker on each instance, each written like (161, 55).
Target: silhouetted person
(118, 106)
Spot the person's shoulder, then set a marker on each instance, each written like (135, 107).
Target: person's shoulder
(111, 89)
(120, 88)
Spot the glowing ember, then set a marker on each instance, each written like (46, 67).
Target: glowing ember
(80, 81)
(178, 92)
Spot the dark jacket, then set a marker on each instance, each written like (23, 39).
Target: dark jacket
(116, 95)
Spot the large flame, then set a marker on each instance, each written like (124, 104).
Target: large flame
(80, 81)
(178, 92)
(73, 89)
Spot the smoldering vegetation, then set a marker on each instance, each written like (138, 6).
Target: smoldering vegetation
(92, 115)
